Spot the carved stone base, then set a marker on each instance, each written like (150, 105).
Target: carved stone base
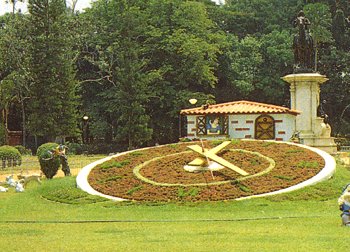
(326, 144)
(298, 69)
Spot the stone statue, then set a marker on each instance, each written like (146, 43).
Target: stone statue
(320, 109)
(303, 46)
(347, 21)
(344, 206)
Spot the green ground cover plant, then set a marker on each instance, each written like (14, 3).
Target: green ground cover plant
(134, 189)
(305, 164)
(112, 164)
(56, 216)
(183, 192)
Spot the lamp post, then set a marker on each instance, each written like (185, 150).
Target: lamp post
(193, 101)
(85, 129)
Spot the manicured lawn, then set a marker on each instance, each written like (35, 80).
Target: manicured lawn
(41, 220)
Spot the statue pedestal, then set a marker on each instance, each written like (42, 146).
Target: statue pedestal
(305, 97)
(326, 144)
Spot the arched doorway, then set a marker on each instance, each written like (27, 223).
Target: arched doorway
(264, 127)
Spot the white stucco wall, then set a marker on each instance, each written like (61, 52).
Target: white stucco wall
(192, 127)
(243, 127)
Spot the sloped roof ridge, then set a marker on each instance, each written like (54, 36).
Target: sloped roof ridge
(240, 107)
(260, 104)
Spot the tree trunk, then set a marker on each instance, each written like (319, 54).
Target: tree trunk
(129, 137)
(36, 142)
(24, 132)
(74, 4)
(13, 6)
(316, 55)
(6, 126)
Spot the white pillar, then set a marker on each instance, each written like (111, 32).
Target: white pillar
(305, 97)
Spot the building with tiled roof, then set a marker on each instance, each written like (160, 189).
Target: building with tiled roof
(240, 119)
(239, 107)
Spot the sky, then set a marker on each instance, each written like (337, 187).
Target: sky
(80, 5)
(8, 7)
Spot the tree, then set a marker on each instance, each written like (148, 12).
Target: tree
(257, 17)
(14, 65)
(336, 90)
(183, 46)
(148, 58)
(277, 59)
(320, 17)
(125, 79)
(339, 30)
(53, 98)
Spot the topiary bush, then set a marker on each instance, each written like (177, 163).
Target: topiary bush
(23, 150)
(48, 164)
(10, 154)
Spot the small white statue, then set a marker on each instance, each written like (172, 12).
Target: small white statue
(10, 181)
(19, 187)
(3, 189)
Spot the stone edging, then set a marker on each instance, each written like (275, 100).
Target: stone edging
(324, 174)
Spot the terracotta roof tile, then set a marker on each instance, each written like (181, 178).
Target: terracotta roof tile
(239, 107)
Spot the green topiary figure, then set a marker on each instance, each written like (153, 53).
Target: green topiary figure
(49, 163)
(10, 155)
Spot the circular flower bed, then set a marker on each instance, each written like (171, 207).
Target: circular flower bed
(157, 174)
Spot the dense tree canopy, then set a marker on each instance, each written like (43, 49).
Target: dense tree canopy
(131, 66)
(52, 103)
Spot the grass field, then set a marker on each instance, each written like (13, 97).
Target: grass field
(31, 163)
(55, 216)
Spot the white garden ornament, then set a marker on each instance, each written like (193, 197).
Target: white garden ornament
(10, 181)
(3, 189)
(19, 187)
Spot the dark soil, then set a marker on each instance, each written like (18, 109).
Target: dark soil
(116, 177)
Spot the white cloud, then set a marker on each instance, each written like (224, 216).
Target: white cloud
(81, 4)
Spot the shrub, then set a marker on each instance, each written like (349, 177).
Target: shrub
(76, 148)
(48, 164)
(23, 150)
(10, 153)
(103, 148)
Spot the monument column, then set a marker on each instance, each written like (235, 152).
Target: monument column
(304, 89)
